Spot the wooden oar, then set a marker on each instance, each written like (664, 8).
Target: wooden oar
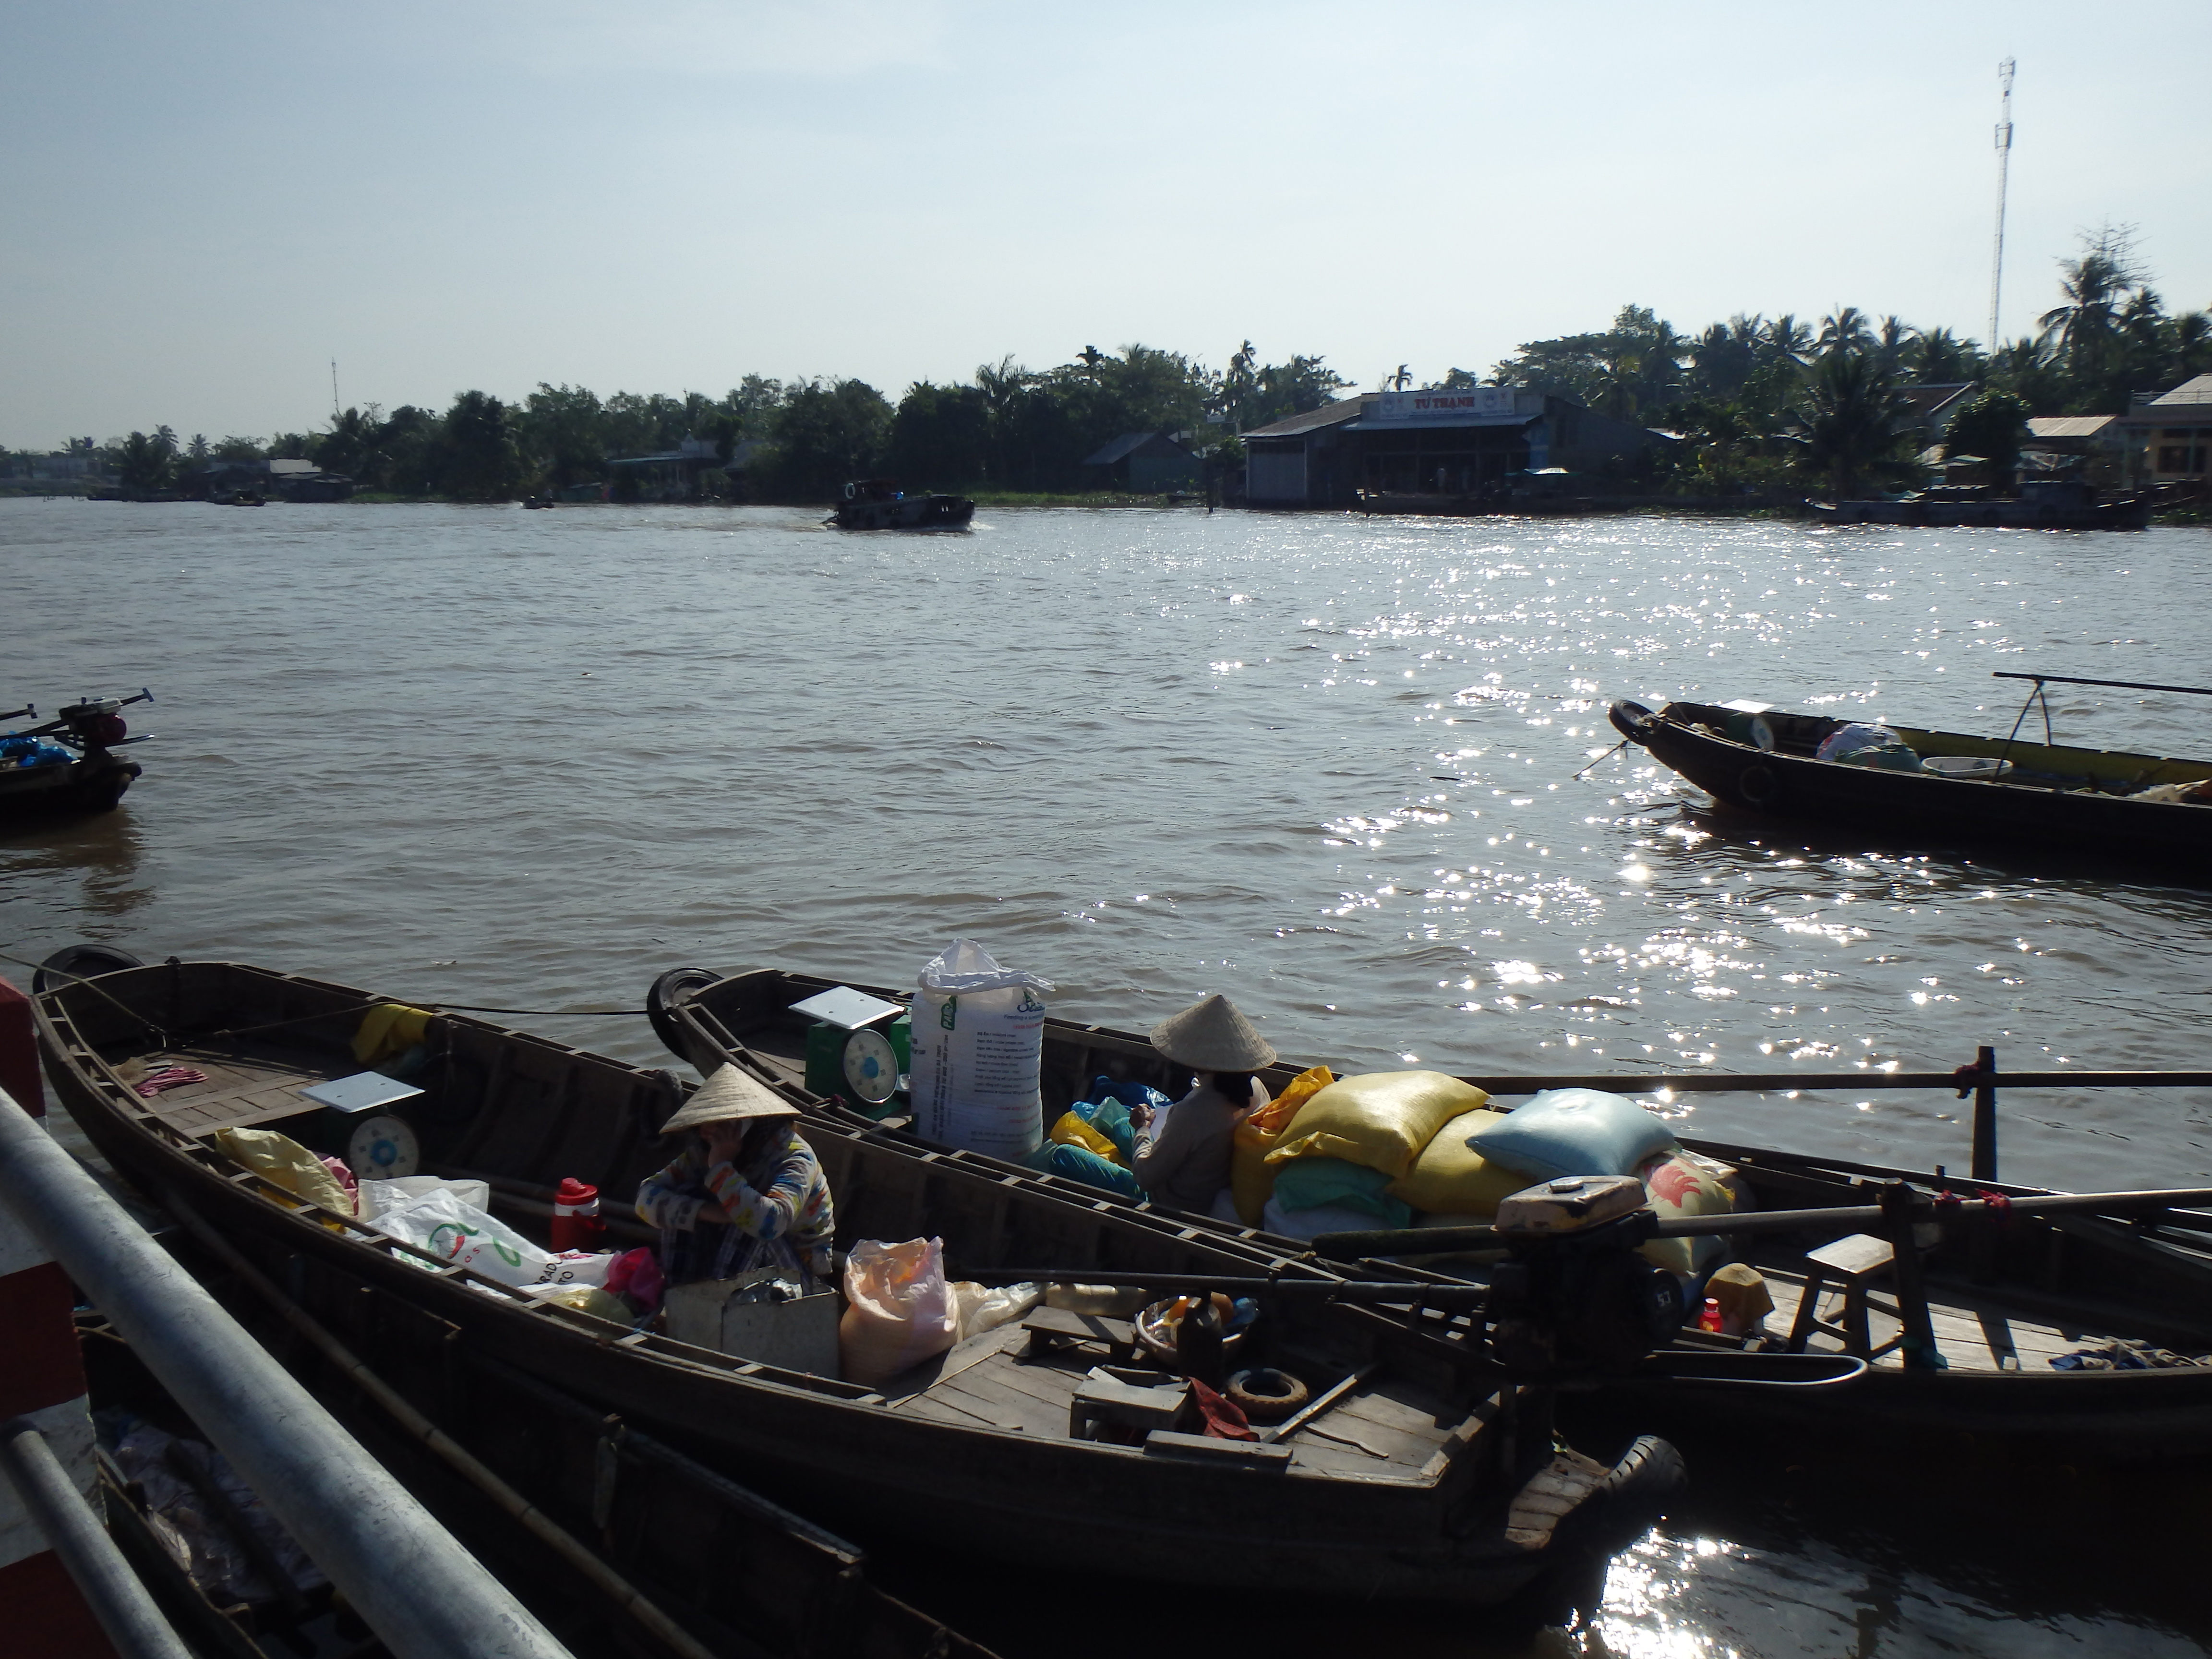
(1429, 1240)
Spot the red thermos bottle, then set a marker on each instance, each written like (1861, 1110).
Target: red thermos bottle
(576, 1223)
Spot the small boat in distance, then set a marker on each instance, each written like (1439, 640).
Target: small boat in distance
(880, 504)
(68, 765)
(1945, 786)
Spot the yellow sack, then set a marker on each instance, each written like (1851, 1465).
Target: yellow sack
(389, 1028)
(1073, 1131)
(1451, 1178)
(1251, 1183)
(1680, 1188)
(1383, 1120)
(285, 1162)
(591, 1299)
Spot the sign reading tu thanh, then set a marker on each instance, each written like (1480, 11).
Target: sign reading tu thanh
(1472, 402)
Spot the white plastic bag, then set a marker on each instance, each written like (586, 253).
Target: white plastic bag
(453, 1231)
(981, 1310)
(899, 1310)
(978, 1048)
(379, 1197)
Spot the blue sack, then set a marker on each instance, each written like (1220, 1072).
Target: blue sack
(1567, 1131)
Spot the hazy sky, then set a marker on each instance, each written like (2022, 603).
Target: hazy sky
(201, 206)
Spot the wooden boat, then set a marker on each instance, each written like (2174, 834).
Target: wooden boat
(2003, 1304)
(880, 504)
(2125, 513)
(69, 764)
(2082, 800)
(1398, 1483)
(733, 1571)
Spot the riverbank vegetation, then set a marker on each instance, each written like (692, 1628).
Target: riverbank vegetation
(1751, 404)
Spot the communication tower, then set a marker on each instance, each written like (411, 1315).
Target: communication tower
(2004, 163)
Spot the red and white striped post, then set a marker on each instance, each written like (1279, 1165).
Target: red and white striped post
(42, 1616)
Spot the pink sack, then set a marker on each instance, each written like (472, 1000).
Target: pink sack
(636, 1275)
(899, 1310)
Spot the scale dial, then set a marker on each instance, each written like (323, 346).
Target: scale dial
(872, 1065)
(383, 1148)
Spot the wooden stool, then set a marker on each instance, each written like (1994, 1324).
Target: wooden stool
(1050, 1328)
(1850, 1264)
(1101, 1400)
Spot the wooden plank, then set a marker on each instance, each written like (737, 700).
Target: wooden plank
(1997, 1334)
(1377, 1405)
(944, 1411)
(976, 1392)
(1251, 1454)
(1341, 1462)
(1042, 1383)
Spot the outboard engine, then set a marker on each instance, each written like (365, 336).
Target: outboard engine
(1574, 1298)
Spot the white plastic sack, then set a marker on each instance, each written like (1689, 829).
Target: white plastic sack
(978, 1046)
(980, 1309)
(899, 1310)
(453, 1231)
(379, 1197)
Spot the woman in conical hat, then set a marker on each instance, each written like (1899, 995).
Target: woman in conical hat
(746, 1191)
(1184, 1160)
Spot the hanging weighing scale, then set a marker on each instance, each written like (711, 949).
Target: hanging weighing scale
(379, 1146)
(858, 1047)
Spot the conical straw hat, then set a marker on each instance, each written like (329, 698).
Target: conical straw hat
(1212, 1036)
(725, 1097)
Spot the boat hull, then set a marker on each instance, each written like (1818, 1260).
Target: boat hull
(1987, 515)
(2118, 1415)
(92, 785)
(832, 1449)
(907, 512)
(1922, 806)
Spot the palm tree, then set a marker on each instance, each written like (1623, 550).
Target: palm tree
(1940, 357)
(1844, 329)
(2096, 286)
(1893, 340)
(1789, 341)
(1848, 416)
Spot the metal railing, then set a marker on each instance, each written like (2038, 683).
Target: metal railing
(1980, 1079)
(410, 1580)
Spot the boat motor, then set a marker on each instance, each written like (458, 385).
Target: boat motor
(1574, 1297)
(94, 725)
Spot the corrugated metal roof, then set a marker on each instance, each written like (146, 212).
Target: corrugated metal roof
(2068, 425)
(2189, 392)
(1313, 420)
(1125, 444)
(1368, 423)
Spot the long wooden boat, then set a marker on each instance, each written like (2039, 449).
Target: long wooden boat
(1400, 1484)
(2003, 1302)
(2127, 512)
(2082, 800)
(880, 504)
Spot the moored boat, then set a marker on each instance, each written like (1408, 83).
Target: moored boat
(1932, 785)
(69, 764)
(880, 504)
(2126, 512)
(2004, 1300)
(1398, 1480)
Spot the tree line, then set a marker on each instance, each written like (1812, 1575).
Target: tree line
(1010, 428)
(1754, 402)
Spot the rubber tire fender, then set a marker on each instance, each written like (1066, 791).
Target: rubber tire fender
(1760, 787)
(75, 962)
(660, 1001)
(1266, 1394)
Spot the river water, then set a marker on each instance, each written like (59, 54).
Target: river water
(1327, 765)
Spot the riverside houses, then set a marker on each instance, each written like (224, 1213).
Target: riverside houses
(1459, 443)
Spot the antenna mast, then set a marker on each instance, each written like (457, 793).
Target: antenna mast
(2004, 165)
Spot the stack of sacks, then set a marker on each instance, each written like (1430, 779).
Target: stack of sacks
(1251, 1181)
(1337, 1163)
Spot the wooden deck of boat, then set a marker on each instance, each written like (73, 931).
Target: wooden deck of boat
(1386, 1429)
(1972, 1332)
(249, 1083)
